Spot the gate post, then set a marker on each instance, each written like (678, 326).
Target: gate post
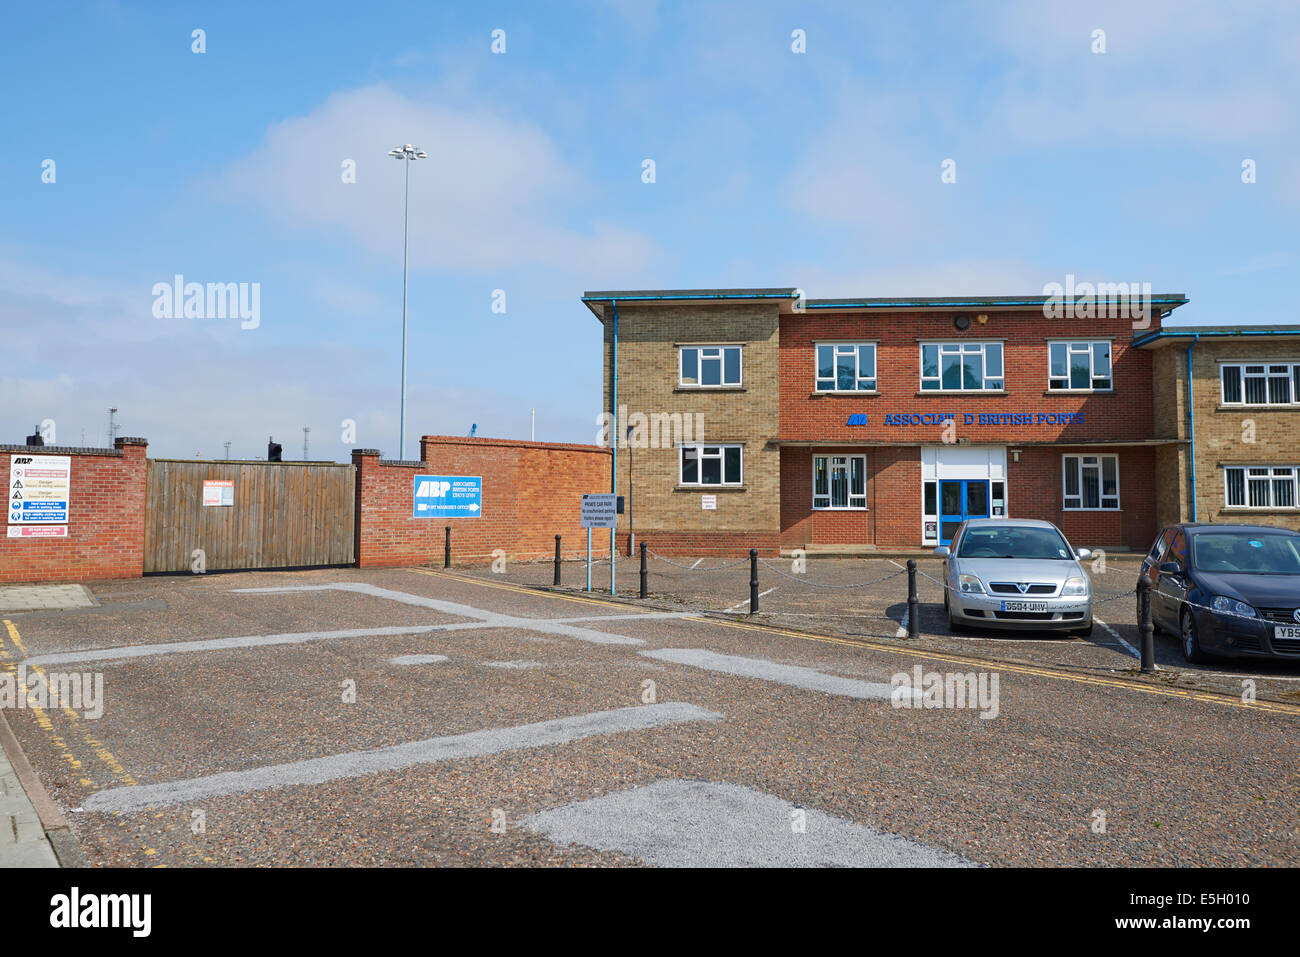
(913, 603)
(753, 581)
(1146, 628)
(643, 588)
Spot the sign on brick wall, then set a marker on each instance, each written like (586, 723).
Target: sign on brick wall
(448, 496)
(39, 489)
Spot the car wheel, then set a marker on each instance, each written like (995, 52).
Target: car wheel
(1085, 633)
(1190, 641)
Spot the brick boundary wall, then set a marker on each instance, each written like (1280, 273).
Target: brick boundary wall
(701, 543)
(105, 518)
(531, 493)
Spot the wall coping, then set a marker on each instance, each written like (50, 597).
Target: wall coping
(511, 443)
(60, 450)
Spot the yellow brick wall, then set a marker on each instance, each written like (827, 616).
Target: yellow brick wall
(648, 383)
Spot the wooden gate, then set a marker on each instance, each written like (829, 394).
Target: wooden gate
(277, 516)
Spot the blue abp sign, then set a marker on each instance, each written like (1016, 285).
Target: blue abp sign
(448, 496)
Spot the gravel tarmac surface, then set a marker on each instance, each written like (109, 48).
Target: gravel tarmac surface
(1181, 778)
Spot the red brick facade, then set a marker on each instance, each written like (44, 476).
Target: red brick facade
(817, 423)
(105, 518)
(531, 493)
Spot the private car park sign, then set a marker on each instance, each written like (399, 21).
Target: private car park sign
(448, 496)
(39, 489)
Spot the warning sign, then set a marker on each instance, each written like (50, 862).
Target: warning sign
(218, 492)
(39, 489)
(38, 531)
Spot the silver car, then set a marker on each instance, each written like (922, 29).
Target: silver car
(1015, 573)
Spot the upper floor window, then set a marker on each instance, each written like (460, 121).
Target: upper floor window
(1078, 365)
(1091, 481)
(710, 366)
(961, 366)
(711, 465)
(1249, 486)
(1261, 384)
(846, 367)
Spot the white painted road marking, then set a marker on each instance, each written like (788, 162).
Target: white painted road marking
(1115, 634)
(418, 660)
(674, 823)
(221, 644)
(746, 601)
(793, 675)
(902, 628)
(430, 751)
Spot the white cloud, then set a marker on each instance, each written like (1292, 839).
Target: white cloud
(492, 194)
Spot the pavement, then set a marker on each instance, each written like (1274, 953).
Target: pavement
(22, 838)
(411, 717)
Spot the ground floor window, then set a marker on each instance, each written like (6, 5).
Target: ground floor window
(711, 465)
(839, 481)
(1249, 486)
(1091, 481)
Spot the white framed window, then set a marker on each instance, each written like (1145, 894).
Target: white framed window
(839, 481)
(712, 465)
(1090, 482)
(961, 366)
(846, 366)
(1082, 366)
(709, 367)
(1259, 383)
(1260, 486)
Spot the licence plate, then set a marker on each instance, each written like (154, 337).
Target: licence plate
(1286, 631)
(1024, 606)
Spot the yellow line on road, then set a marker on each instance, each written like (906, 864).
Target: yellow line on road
(1207, 697)
(101, 751)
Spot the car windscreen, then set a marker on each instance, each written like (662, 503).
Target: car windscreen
(1012, 541)
(1247, 553)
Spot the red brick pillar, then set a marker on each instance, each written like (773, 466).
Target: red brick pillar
(365, 462)
(135, 460)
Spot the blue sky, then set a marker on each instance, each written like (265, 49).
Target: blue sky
(819, 170)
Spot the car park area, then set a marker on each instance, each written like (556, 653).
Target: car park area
(412, 716)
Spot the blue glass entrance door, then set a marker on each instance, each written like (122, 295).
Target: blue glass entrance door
(958, 501)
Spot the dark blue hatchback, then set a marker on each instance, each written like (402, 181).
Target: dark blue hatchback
(1228, 590)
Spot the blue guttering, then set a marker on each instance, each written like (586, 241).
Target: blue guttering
(1173, 333)
(1191, 420)
(613, 470)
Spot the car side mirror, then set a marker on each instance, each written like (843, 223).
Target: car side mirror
(1083, 553)
(943, 551)
(1171, 568)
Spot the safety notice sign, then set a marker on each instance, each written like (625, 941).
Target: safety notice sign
(39, 489)
(218, 492)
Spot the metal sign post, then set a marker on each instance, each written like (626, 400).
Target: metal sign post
(600, 511)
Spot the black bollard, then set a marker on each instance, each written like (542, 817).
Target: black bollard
(753, 581)
(913, 603)
(1146, 629)
(557, 559)
(446, 549)
(644, 592)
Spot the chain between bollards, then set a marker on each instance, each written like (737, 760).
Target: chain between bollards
(753, 581)
(557, 559)
(644, 592)
(913, 603)
(1146, 628)
(446, 549)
